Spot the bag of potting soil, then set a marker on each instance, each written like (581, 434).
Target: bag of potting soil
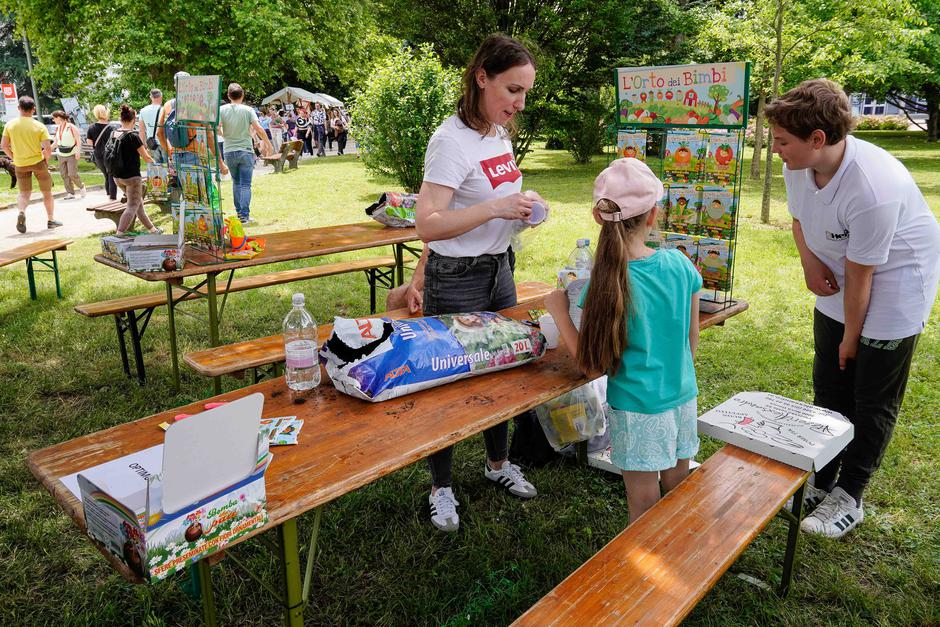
(376, 359)
(394, 209)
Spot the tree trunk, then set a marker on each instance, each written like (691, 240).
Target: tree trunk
(933, 113)
(768, 170)
(758, 135)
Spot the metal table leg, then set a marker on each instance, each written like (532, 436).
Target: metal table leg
(205, 587)
(213, 323)
(290, 562)
(31, 278)
(793, 537)
(171, 319)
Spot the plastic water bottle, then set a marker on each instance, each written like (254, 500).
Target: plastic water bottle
(580, 263)
(300, 348)
(581, 258)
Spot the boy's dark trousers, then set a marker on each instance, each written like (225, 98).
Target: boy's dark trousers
(868, 392)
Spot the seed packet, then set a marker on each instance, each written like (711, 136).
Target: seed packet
(288, 435)
(686, 244)
(684, 204)
(631, 144)
(157, 181)
(722, 161)
(714, 260)
(683, 156)
(717, 214)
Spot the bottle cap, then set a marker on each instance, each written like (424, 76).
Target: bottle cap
(584, 242)
(298, 299)
(538, 214)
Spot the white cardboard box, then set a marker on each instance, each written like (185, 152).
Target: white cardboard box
(166, 507)
(792, 432)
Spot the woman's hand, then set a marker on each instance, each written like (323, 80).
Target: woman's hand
(513, 207)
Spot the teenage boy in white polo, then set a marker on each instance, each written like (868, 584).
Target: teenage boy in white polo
(870, 250)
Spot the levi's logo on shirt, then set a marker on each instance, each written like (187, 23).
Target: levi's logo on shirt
(501, 169)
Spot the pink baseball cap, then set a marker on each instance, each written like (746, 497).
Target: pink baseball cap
(631, 184)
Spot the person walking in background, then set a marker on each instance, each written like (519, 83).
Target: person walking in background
(126, 171)
(640, 326)
(318, 121)
(278, 126)
(237, 120)
(341, 130)
(97, 137)
(265, 121)
(290, 120)
(330, 133)
(148, 117)
(304, 130)
(26, 141)
(67, 142)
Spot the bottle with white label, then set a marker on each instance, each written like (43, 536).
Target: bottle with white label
(302, 369)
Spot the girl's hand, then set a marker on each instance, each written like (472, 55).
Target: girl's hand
(513, 207)
(556, 302)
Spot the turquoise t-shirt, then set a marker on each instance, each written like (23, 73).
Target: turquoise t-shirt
(656, 371)
(236, 126)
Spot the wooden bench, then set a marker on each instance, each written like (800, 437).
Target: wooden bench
(658, 568)
(132, 313)
(290, 152)
(263, 355)
(30, 253)
(113, 209)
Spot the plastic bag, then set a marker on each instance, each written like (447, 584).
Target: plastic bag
(394, 209)
(573, 417)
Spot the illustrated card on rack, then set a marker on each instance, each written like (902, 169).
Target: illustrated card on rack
(682, 159)
(722, 161)
(631, 144)
(714, 260)
(684, 206)
(717, 214)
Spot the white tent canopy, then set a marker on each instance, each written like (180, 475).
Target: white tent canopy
(296, 94)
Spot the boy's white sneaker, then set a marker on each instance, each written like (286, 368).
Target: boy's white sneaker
(836, 515)
(510, 477)
(812, 497)
(444, 509)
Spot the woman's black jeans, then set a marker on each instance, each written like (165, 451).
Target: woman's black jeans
(110, 187)
(461, 285)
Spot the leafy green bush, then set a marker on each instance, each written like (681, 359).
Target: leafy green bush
(881, 123)
(586, 124)
(403, 101)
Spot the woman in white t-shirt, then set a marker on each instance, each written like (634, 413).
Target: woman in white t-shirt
(469, 202)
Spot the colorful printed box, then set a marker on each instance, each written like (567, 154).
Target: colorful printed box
(631, 145)
(714, 261)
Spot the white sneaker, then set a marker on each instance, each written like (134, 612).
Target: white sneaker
(812, 497)
(81, 192)
(69, 197)
(444, 509)
(510, 477)
(836, 515)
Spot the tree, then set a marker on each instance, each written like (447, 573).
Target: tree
(577, 44)
(398, 108)
(104, 47)
(793, 40)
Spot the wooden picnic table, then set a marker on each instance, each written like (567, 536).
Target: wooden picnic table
(30, 253)
(351, 443)
(279, 247)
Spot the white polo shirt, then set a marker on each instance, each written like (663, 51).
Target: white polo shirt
(872, 213)
(477, 169)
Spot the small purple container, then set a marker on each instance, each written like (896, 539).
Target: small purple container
(538, 214)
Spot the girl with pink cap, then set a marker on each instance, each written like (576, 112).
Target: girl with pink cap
(640, 327)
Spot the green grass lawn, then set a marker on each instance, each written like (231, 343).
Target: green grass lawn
(381, 561)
